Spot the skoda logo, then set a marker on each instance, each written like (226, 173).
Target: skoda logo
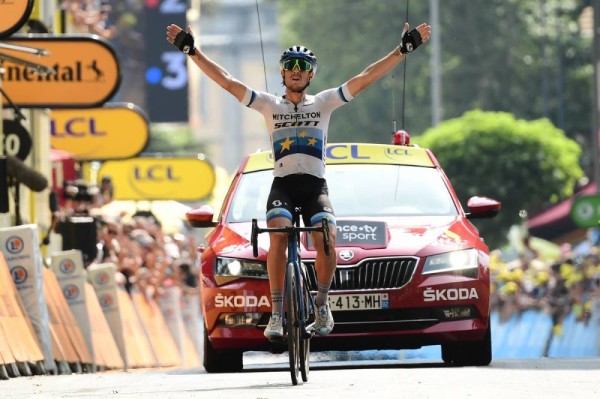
(346, 255)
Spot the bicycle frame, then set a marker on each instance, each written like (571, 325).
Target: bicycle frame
(293, 257)
(299, 351)
(295, 261)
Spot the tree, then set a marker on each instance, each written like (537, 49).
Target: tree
(527, 57)
(520, 163)
(172, 139)
(348, 36)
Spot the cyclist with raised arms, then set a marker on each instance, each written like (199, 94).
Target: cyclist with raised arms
(297, 125)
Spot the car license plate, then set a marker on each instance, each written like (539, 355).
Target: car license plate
(339, 302)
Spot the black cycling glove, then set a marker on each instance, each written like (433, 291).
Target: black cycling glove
(184, 41)
(410, 41)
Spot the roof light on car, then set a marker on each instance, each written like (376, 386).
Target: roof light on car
(451, 261)
(401, 137)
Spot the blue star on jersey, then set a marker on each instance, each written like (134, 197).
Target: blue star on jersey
(298, 141)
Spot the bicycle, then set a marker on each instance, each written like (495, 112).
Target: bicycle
(298, 317)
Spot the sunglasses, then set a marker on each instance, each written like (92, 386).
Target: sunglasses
(291, 64)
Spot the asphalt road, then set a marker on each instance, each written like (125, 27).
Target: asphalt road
(503, 379)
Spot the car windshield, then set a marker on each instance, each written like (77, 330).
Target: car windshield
(358, 190)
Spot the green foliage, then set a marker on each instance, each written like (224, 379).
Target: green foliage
(357, 34)
(493, 154)
(526, 57)
(173, 140)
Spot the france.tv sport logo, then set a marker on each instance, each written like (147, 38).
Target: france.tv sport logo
(14, 245)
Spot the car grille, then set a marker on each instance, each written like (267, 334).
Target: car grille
(368, 274)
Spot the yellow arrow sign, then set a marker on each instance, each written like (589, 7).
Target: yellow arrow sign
(180, 179)
(116, 131)
(87, 72)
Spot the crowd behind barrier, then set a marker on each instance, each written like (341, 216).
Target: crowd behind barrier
(564, 287)
(90, 16)
(119, 294)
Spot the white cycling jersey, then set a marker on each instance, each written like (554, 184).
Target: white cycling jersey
(298, 132)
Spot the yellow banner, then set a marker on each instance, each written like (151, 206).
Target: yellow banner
(87, 72)
(116, 131)
(179, 179)
(337, 153)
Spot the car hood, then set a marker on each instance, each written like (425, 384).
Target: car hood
(404, 236)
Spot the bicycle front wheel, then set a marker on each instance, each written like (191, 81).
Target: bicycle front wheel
(292, 324)
(304, 338)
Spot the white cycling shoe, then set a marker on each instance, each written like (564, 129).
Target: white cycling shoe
(274, 330)
(324, 319)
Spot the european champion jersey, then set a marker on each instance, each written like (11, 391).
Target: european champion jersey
(298, 132)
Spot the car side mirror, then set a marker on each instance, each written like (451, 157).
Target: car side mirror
(201, 216)
(482, 208)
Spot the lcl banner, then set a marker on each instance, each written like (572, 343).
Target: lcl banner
(14, 14)
(87, 72)
(179, 179)
(116, 131)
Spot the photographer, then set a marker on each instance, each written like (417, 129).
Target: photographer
(77, 227)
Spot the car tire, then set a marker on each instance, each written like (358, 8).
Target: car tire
(216, 361)
(474, 353)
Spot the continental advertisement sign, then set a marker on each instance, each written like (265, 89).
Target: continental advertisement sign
(86, 72)
(13, 15)
(179, 179)
(338, 153)
(116, 131)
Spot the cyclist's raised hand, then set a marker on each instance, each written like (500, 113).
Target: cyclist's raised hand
(183, 40)
(410, 40)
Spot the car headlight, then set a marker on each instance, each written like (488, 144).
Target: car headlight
(230, 267)
(451, 261)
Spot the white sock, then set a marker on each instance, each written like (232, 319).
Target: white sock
(322, 293)
(277, 302)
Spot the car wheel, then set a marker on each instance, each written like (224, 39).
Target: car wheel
(216, 361)
(475, 353)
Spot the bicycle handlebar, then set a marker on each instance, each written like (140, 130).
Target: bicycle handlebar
(324, 228)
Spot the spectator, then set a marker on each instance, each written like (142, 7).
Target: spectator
(184, 277)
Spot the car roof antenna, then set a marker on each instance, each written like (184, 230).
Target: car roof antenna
(394, 131)
(262, 48)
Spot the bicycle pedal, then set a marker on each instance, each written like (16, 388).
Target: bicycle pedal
(278, 340)
(308, 335)
(309, 331)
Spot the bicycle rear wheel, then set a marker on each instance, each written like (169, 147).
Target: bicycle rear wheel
(292, 324)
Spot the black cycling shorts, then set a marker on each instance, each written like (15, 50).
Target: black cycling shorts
(306, 191)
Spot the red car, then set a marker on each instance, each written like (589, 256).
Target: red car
(411, 268)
